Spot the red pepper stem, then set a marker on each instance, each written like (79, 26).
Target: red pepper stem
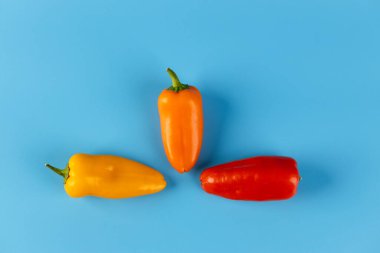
(63, 173)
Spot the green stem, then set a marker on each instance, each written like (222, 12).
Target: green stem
(176, 84)
(175, 80)
(63, 173)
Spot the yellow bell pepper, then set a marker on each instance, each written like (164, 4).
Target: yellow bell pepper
(108, 176)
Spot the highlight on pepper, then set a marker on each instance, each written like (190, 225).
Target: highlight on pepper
(181, 118)
(108, 176)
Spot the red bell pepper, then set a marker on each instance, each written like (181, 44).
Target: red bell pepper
(259, 178)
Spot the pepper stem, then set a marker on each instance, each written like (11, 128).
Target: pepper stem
(63, 173)
(175, 80)
(176, 84)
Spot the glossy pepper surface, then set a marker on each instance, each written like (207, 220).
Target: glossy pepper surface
(259, 178)
(181, 117)
(109, 176)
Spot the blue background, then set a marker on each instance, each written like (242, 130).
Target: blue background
(295, 78)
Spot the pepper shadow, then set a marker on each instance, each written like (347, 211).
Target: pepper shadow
(316, 179)
(216, 110)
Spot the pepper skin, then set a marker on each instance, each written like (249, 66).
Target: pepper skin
(259, 178)
(108, 176)
(181, 117)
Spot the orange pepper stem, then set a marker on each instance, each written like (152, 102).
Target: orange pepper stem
(176, 84)
(64, 173)
(175, 80)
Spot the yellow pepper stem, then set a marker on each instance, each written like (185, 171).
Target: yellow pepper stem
(64, 173)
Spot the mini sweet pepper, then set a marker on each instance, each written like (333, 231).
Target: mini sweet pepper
(108, 176)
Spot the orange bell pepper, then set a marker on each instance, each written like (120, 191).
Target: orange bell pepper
(181, 117)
